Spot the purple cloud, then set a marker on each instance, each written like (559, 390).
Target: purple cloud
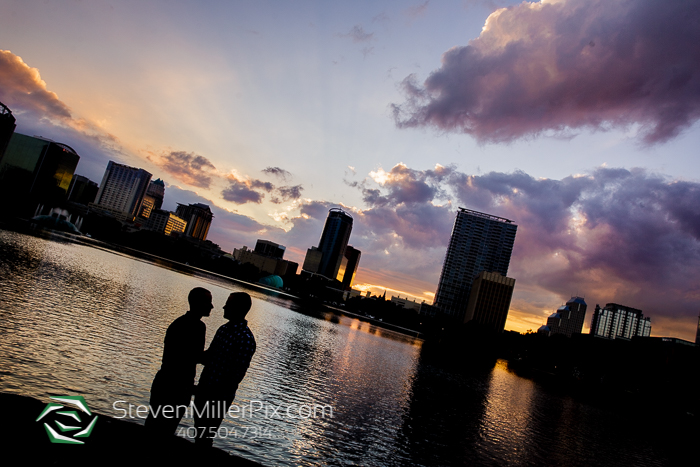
(287, 193)
(277, 172)
(267, 186)
(556, 67)
(615, 235)
(188, 167)
(240, 193)
(228, 229)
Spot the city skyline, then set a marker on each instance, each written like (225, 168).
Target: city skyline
(272, 114)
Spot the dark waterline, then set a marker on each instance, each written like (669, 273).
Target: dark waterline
(75, 319)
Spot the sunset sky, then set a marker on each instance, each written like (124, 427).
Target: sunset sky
(578, 119)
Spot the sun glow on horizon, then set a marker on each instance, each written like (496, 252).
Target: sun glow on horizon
(375, 289)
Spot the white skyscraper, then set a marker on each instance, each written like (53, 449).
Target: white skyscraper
(122, 189)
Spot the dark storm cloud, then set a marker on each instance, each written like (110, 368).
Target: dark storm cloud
(277, 172)
(241, 192)
(557, 67)
(188, 167)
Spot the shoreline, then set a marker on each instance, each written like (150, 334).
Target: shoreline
(179, 267)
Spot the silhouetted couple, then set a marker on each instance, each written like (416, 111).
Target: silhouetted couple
(225, 364)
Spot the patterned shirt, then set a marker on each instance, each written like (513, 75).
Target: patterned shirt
(228, 358)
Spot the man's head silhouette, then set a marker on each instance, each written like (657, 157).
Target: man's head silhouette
(237, 306)
(200, 301)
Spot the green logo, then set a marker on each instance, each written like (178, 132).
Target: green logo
(65, 420)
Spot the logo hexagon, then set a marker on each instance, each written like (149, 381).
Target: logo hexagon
(65, 420)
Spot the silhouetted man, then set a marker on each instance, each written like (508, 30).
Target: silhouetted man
(183, 348)
(226, 363)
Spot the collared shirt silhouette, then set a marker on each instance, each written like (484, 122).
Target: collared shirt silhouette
(226, 363)
(183, 348)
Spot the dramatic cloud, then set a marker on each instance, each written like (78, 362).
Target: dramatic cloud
(402, 185)
(358, 34)
(23, 90)
(278, 172)
(558, 66)
(614, 235)
(287, 193)
(267, 186)
(187, 167)
(241, 191)
(39, 111)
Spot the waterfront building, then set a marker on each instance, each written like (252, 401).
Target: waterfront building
(198, 217)
(479, 242)
(156, 190)
(268, 248)
(267, 258)
(348, 266)
(7, 127)
(619, 322)
(567, 320)
(312, 260)
(122, 190)
(153, 199)
(147, 206)
(35, 172)
(165, 222)
(489, 300)
(82, 190)
(334, 240)
(406, 303)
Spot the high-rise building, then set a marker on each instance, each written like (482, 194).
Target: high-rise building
(479, 242)
(268, 248)
(165, 222)
(156, 190)
(619, 322)
(7, 127)
(153, 199)
(312, 260)
(198, 217)
(567, 320)
(122, 190)
(36, 171)
(489, 300)
(334, 240)
(82, 190)
(348, 266)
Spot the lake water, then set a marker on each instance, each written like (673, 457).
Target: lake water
(78, 319)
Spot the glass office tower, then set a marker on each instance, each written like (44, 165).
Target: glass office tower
(479, 242)
(334, 240)
(36, 171)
